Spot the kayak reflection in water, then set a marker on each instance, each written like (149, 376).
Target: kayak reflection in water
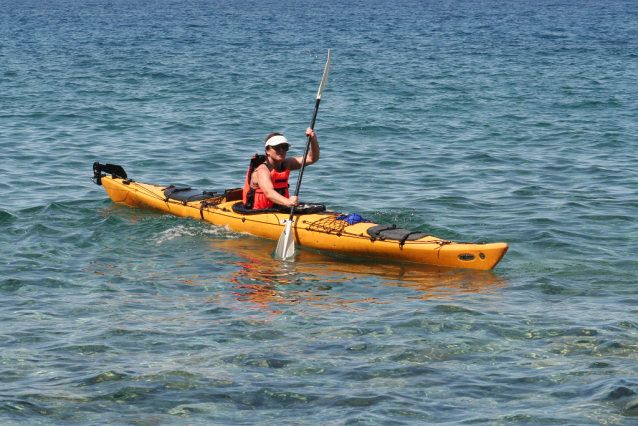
(266, 183)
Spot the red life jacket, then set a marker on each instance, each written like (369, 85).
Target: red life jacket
(255, 198)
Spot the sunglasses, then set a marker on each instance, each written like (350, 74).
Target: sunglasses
(282, 146)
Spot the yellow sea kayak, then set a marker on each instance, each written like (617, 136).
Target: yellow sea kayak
(313, 226)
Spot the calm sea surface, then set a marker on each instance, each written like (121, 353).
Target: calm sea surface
(491, 121)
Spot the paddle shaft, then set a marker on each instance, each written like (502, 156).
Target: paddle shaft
(305, 154)
(288, 239)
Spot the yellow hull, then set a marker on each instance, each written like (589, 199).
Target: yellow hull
(350, 240)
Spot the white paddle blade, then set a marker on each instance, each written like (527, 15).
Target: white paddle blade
(326, 71)
(286, 245)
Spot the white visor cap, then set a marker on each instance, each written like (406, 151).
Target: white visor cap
(276, 140)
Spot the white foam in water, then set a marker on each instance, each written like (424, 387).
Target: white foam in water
(188, 231)
(171, 233)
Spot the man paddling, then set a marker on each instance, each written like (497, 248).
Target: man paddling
(266, 183)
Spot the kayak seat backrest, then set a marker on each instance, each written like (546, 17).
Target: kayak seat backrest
(391, 232)
(301, 209)
(186, 195)
(235, 194)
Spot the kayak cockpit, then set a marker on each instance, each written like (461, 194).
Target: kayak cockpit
(300, 209)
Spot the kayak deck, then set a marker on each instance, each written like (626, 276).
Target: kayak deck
(321, 230)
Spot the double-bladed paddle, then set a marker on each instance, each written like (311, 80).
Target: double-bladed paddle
(286, 245)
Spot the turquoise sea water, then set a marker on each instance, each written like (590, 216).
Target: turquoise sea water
(508, 121)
